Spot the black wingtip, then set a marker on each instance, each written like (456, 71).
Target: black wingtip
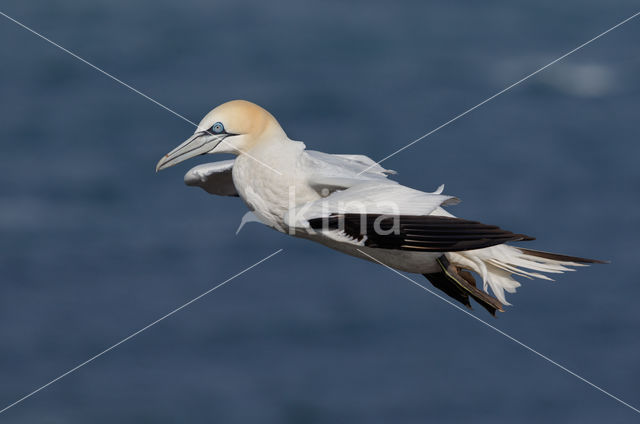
(561, 258)
(425, 233)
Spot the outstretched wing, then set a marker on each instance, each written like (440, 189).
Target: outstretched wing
(366, 198)
(328, 173)
(380, 213)
(214, 178)
(424, 233)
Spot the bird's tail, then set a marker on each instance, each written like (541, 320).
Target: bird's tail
(497, 265)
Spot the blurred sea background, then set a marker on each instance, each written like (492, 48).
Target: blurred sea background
(94, 245)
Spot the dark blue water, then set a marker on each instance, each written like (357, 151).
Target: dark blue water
(94, 245)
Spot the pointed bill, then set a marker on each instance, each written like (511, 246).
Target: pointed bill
(198, 144)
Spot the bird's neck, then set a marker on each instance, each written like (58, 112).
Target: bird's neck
(276, 150)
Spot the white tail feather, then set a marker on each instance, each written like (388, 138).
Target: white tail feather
(498, 264)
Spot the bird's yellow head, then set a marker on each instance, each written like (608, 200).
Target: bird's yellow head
(233, 127)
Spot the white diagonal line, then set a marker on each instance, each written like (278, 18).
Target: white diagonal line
(137, 332)
(488, 99)
(513, 339)
(119, 81)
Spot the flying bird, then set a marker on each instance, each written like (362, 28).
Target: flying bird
(349, 203)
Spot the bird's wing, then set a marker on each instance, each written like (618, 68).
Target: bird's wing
(387, 215)
(327, 173)
(423, 233)
(214, 178)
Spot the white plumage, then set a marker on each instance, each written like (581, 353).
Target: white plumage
(348, 203)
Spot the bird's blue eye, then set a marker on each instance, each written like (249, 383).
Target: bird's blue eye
(217, 128)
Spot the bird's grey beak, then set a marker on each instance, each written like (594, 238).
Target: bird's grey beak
(198, 144)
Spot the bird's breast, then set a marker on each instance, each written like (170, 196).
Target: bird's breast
(270, 194)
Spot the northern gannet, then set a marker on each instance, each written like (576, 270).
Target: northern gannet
(348, 203)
